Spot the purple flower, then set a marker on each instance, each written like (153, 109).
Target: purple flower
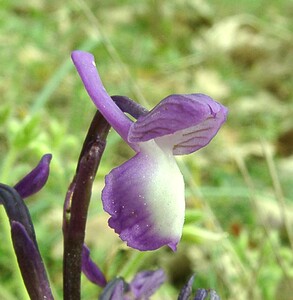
(201, 294)
(145, 195)
(142, 287)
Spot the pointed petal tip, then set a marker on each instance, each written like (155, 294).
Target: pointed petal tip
(36, 179)
(91, 270)
(173, 246)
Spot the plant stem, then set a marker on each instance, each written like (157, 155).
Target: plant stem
(6, 167)
(5, 229)
(77, 202)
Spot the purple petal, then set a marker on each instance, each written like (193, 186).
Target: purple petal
(145, 198)
(186, 290)
(86, 67)
(201, 294)
(185, 123)
(146, 283)
(90, 269)
(36, 179)
(114, 290)
(30, 263)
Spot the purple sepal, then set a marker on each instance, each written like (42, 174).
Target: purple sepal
(114, 290)
(146, 283)
(86, 67)
(185, 123)
(30, 263)
(186, 290)
(36, 179)
(90, 269)
(201, 294)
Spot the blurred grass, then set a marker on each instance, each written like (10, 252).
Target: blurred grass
(240, 53)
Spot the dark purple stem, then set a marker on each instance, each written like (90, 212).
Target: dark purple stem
(25, 245)
(77, 202)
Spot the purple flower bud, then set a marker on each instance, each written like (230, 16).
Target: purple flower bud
(30, 263)
(146, 283)
(90, 269)
(114, 290)
(201, 294)
(35, 179)
(186, 290)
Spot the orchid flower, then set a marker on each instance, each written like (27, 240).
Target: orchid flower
(145, 195)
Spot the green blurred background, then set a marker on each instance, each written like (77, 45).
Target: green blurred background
(238, 231)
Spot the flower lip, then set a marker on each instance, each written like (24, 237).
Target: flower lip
(138, 191)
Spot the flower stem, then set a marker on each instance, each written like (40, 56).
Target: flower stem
(5, 226)
(25, 244)
(5, 229)
(77, 202)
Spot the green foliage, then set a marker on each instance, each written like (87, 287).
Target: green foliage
(239, 52)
